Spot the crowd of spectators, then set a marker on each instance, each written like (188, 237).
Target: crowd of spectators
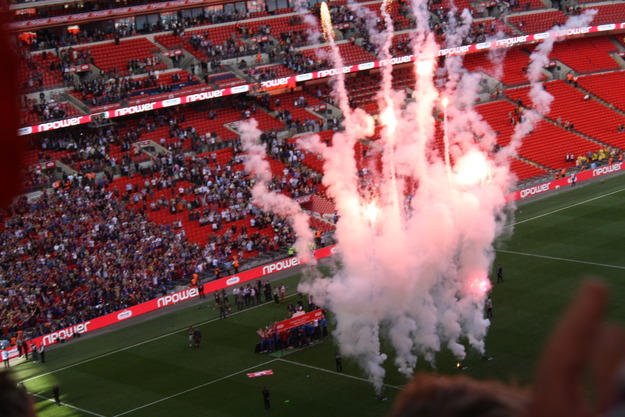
(105, 90)
(301, 63)
(87, 248)
(231, 47)
(78, 253)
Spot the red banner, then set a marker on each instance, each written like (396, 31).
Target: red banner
(299, 320)
(563, 182)
(260, 373)
(287, 82)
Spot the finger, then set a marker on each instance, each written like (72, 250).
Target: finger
(557, 387)
(607, 361)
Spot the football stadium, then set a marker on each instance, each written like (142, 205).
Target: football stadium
(294, 207)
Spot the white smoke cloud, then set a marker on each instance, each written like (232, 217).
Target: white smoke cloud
(257, 165)
(416, 236)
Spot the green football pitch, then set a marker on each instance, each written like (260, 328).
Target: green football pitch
(148, 369)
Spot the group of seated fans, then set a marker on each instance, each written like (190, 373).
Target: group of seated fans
(87, 247)
(78, 253)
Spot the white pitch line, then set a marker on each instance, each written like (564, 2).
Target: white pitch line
(334, 373)
(68, 405)
(139, 344)
(565, 208)
(193, 389)
(562, 259)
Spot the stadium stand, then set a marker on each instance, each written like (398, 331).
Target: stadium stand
(586, 55)
(185, 204)
(538, 22)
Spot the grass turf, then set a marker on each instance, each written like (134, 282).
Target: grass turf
(147, 369)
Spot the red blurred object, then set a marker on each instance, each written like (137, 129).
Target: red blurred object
(11, 147)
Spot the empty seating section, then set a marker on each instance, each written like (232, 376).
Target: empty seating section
(586, 55)
(510, 70)
(460, 4)
(171, 42)
(108, 56)
(215, 35)
(524, 171)
(532, 4)
(555, 141)
(226, 80)
(609, 13)
(352, 54)
(278, 25)
(538, 22)
(547, 145)
(280, 70)
(607, 86)
(569, 105)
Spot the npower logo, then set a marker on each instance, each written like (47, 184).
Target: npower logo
(124, 315)
(233, 280)
(280, 265)
(134, 109)
(333, 71)
(207, 95)
(607, 169)
(177, 297)
(275, 83)
(74, 121)
(66, 333)
(537, 189)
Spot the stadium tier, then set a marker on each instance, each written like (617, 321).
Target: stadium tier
(177, 171)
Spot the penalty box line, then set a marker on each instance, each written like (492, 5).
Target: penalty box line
(564, 208)
(144, 342)
(553, 258)
(64, 404)
(335, 373)
(194, 388)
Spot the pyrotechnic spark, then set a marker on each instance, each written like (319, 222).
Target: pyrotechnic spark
(326, 23)
(417, 277)
(472, 168)
(371, 211)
